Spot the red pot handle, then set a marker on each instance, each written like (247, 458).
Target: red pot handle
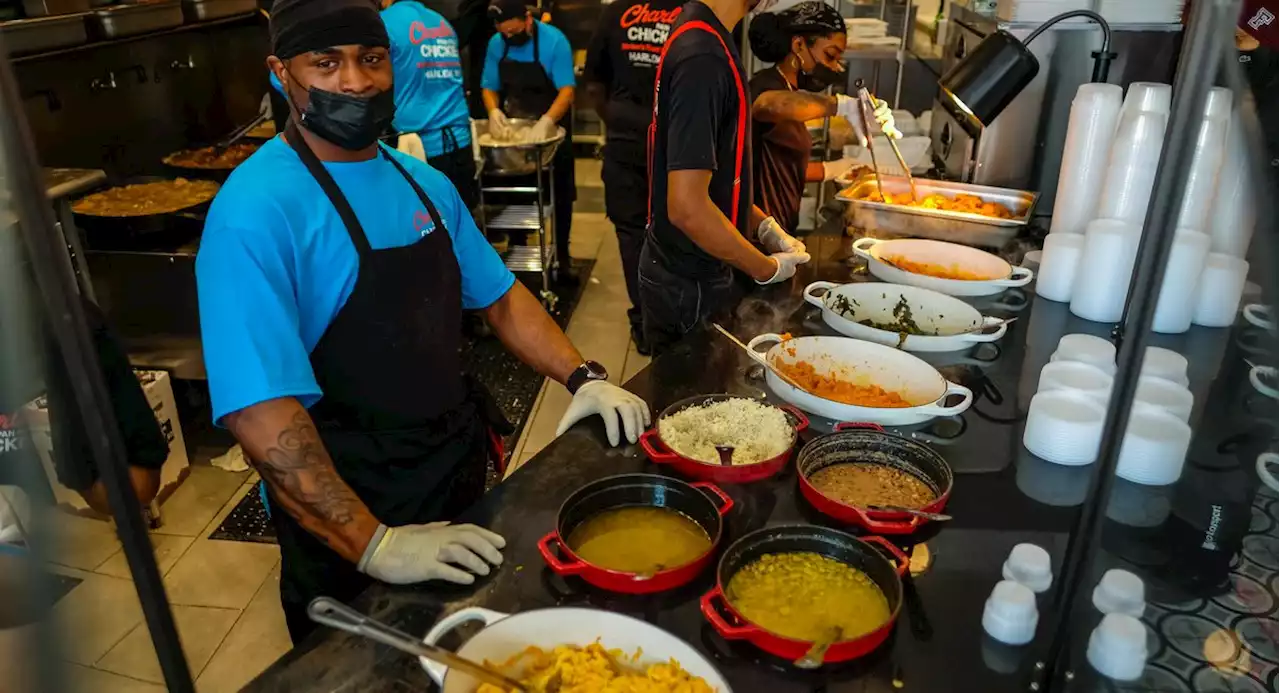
(650, 441)
(902, 561)
(882, 526)
(727, 503)
(846, 425)
(558, 566)
(802, 421)
(712, 614)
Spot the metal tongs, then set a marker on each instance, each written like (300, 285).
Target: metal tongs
(867, 106)
(331, 613)
(238, 134)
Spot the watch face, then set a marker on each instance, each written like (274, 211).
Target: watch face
(595, 371)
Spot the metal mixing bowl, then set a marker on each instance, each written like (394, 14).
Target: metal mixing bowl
(517, 159)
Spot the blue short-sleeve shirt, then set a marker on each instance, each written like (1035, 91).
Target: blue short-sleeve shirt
(276, 265)
(553, 52)
(428, 77)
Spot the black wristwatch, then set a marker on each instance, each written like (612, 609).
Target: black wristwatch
(588, 371)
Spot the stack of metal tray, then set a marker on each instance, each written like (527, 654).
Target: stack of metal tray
(206, 10)
(131, 19)
(937, 224)
(23, 36)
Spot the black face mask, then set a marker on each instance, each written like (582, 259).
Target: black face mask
(819, 77)
(350, 122)
(517, 39)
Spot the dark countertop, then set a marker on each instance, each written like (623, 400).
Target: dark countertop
(1002, 496)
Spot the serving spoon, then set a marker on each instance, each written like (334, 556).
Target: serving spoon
(812, 659)
(758, 359)
(936, 517)
(330, 612)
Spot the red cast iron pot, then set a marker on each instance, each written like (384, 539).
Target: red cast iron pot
(660, 453)
(858, 553)
(865, 443)
(702, 502)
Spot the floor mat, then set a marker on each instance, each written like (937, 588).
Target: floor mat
(513, 385)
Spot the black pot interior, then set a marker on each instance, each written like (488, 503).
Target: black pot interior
(876, 447)
(646, 490)
(813, 539)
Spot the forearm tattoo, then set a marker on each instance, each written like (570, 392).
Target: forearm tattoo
(302, 477)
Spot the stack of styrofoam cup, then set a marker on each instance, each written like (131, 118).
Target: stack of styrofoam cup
(1219, 291)
(1029, 565)
(1154, 448)
(1206, 160)
(1087, 348)
(1165, 395)
(1085, 153)
(1163, 363)
(1075, 375)
(1218, 103)
(1177, 298)
(1148, 96)
(1232, 218)
(1058, 265)
(1131, 167)
(1106, 266)
(1010, 614)
(1118, 647)
(1120, 592)
(1064, 427)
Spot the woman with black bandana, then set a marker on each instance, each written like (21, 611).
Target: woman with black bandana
(806, 43)
(332, 276)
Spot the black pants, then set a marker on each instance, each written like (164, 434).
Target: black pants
(459, 166)
(626, 205)
(672, 305)
(566, 193)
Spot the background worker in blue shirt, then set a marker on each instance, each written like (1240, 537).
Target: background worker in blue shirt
(332, 275)
(429, 96)
(528, 73)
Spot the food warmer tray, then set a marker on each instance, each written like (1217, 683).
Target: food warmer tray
(43, 33)
(207, 10)
(131, 19)
(49, 8)
(940, 225)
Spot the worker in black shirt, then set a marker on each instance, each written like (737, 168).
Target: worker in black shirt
(701, 215)
(621, 58)
(806, 45)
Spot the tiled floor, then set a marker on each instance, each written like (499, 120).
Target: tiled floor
(225, 595)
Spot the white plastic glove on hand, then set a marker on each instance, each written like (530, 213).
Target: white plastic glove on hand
(499, 126)
(416, 553)
(542, 130)
(847, 107)
(775, 240)
(787, 264)
(611, 403)
(832, 170)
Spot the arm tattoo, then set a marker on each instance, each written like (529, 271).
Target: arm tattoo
(299, 469)
(791, 104)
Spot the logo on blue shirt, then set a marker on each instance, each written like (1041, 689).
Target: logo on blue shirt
(438, 49)
(422, 223)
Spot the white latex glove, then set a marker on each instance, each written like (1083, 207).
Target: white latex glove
(787, 263)
(611, 403)
(499, 126)
(847, 107)
(775, 240)
(542, 130)
(416, 553)
(832, 170)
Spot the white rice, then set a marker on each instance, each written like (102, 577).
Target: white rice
(755, 431)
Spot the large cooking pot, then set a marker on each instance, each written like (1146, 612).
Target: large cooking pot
(896, 371)
(946, 323)
(870, 444)
(506, 635)
(1002, 274)
(661, 453)
(858, 553)
(515, 159)
(117, 231)
(702, 502)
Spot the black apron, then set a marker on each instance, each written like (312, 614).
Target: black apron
(527, 91)
(398, 417)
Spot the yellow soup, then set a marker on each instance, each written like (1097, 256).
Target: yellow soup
(639, 539)
(806, 596)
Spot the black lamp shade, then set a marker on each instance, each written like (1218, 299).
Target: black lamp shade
(981, 85)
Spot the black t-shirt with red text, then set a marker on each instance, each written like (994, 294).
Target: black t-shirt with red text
(623, 55)
(699, 125)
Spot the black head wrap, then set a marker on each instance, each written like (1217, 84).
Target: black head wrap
(502, 10)
(302, 26)
(771, 32)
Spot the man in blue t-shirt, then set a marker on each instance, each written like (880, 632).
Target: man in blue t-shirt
(429, 97)
(528, 74)
(332, 276)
